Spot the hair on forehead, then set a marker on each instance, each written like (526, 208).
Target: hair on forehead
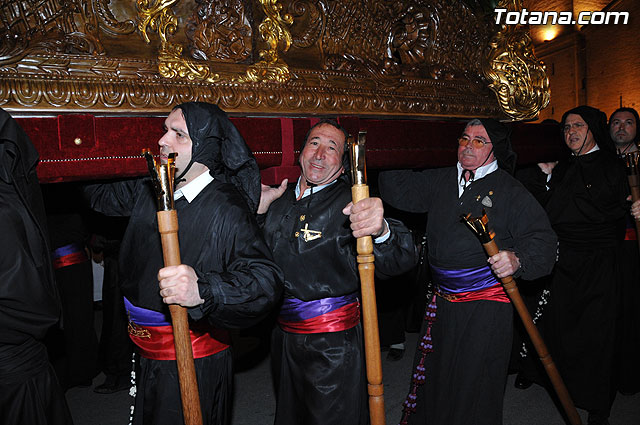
(625, 109)
(327, 121)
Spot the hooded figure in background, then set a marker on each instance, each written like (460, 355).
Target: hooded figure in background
(29, 301)
(462, 362)
(227, 280)
(585, 201)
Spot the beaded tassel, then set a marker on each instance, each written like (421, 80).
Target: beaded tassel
(419, 376)
(132, 390)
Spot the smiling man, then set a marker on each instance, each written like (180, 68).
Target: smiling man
(227, 279)
(311, 226)
(464, 377)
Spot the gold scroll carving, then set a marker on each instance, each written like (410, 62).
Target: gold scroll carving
(360, 57)
(515, 75)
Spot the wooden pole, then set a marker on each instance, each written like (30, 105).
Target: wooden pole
(168, 228)
(366, 268)
(543, 353)
(162, 178)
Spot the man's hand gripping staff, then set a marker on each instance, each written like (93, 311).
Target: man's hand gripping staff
(162, 176)
(480, 227)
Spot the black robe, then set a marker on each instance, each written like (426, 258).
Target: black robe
(466, 372)
(586, 206)
(320, 378)
(239, 282)
(29, 301)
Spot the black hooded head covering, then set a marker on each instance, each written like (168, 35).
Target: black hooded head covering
(500, 136)
(218, 145)
(596, 121)
(18, 160)
(633, 112)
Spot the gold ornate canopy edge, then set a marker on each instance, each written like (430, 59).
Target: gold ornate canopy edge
(363, 57)
(53, 95)
(515, 75)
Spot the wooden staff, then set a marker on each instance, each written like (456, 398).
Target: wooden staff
(162, 176)
(631, 163)
(480, 228)
(366, 268)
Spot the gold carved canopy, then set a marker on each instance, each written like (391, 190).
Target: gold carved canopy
(268, 57)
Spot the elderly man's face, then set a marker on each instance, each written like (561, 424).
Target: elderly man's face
(176, 139)
(576, 132)
(321, 158)
(623, 127)
(470, 156)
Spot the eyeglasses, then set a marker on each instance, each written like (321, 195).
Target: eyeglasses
(476, 143)
(576, 126)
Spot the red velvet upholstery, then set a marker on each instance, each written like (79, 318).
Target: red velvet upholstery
(110, 146)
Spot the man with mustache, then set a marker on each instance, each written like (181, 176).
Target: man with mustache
(311, 226)
(463, 357)
(623, 128)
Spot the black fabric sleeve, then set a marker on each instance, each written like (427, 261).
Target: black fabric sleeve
(251, 284)
(397, 254)
(113, 199)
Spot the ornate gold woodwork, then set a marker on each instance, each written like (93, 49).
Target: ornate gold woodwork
(515, 75)
(360, 57)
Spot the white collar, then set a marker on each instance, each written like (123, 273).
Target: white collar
(479, 173)
(194, 187)
(307, 191)
(593, 149)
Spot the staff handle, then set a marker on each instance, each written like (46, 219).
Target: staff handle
(366, 269)
(512, 291)
(168, 228)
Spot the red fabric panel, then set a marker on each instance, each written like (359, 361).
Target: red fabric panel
(111, 146)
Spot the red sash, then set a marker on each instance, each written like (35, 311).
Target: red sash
(156, 342)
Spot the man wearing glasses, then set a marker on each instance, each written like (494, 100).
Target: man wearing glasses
(462, 379)
(586, 205)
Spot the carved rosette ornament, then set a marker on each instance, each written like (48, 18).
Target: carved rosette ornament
(515, 75)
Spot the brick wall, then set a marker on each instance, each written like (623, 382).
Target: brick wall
(598, 65)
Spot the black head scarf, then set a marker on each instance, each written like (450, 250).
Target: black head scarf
(500, 136)
(218, 145)
(597, 122)
(633, 112)
(18, 160)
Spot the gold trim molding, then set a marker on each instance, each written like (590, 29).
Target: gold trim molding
(515, 75)
(409, 58)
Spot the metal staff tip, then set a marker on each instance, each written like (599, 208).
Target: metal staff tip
(358, 163)
(479, 226)
(162, 176)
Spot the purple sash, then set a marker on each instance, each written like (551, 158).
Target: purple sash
(463, 280)
(295, 310)
(143, 317)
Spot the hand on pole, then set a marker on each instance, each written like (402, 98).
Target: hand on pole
(635, 209)
(504, 263)
(270, 194)
(367, 218)
(179, 285)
